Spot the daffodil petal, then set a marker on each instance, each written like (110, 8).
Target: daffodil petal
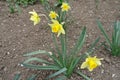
(90, 69)
(84, 65)
(58, 34)
(62, 31)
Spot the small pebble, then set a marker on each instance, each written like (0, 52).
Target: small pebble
(78, 67)
(43, 45)
(50, 59)
(8, 53)
(23, 30)
(108, 29)
(107, 60)
(18, 25)
(113, 75)
(44, 64)
(2, 24)
(21, 65)
(11, 30)
(24, 25)
(50, 53)
(4, 21)
(26, 35)
(87, 35)
(102, 71)
(87, 45)
(13, 49)
(5, 69)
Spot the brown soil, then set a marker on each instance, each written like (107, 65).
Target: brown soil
(18, 36)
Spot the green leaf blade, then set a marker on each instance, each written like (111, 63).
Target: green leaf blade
(103, 32)
(17, 77)
(57, 73)
(38, 67)
(32, 77)
(80, 42)
(36, 52)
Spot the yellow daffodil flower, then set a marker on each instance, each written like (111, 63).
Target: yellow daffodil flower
(53, 15)
(91, 63)
(34, 17)
(57, 27)
(65, 6)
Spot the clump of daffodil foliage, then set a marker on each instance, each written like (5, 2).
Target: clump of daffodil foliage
(113, 45)
(64, 63)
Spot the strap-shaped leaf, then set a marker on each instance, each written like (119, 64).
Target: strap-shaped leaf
(17, 77)
(64, 47)
(38, 67)
(103, 32)
(32, 77)
(36, 52)
(61, 78)
(73, 64)
(57, 73)
(84, 76)
(92, 45)
(117, 31)
(115, 47)
(56, 45)
(36, 59)
(80, 42)
(56, 60)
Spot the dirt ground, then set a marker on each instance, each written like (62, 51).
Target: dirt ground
(18, 36)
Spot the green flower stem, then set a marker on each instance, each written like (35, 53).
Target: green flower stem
(63, 45)
(57, 48)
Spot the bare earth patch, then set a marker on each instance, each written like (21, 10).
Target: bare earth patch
(18, 36)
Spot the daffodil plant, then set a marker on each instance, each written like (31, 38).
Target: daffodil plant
(114, 45)
(63, 62)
